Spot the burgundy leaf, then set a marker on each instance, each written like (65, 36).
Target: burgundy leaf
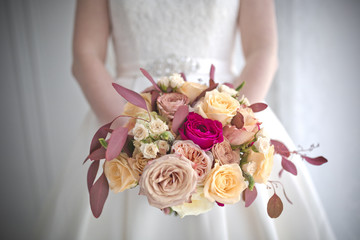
(179, 117)
(281, 172)
(202, 94)
(148, 76)
(315, 161)
(288, 166)
(91, 175)
(274, 206)
(250, 196)
(238, 120)
(212, 72)
(280, 148)
(98, 195)
(101, 133)
(230, 85)
(286, 196)
(116, 143)
(258, 107)
(98, 154)
(154, 97)
(131, 96)
(183, 76)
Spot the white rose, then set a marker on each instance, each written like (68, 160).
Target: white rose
(249, 168)
(176, 81)
(262, 133)
(199, 204)
(149, 150)
(225, 89)
(262, 145)
(244, 100)
(163, 146)
(140, 132)
(157, 126)
(163, 82)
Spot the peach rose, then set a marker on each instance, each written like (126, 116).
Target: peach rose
(225, 184)
(138, 163)
(132, 110)
(263, 164)
(224, 153)
(246, 133)
(192, 90)
(119, 174)
(168, 181)
(218, 106)
(203, 160)
(198, 205)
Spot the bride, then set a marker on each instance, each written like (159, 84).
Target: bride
(166, 36)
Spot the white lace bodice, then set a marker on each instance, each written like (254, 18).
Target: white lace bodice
(157, 33)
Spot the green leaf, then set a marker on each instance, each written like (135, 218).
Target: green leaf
(103, 142)
(240, 86)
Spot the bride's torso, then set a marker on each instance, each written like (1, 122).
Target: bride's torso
(166, 36)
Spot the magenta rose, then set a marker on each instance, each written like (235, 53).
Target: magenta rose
(202, 131)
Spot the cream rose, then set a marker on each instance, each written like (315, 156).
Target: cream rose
(149, 150)
(157, 126)
(264, 164)
(192, 90)
(218, 106)
(163, 146)
(224, 153)
(262, 145)
(203, 160)
(176, 81)
(168, 181)
(140, 132)
(198, 205)
(119, 174)
(225, 184)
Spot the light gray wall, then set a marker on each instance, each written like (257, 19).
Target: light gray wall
(315, 95)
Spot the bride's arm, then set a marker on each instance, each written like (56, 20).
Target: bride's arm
(257, 22)
(91, 34)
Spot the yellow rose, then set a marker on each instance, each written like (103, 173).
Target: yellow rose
(119, 174)
(192, 90)
(132, 110)
(218, 106)
(224, 184)
(263, 164)
(198, 205)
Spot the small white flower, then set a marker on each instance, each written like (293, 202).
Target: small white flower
(176, 81)
(163, 146)
(157, 126)
(225, 89)
(262, 144)
(140, 132)
(244, 100)
(262, 133)
(149, 150)
(249, 168)
(163, 82)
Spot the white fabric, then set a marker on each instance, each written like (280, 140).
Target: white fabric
(143, 32)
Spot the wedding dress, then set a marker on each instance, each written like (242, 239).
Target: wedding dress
(188, 36)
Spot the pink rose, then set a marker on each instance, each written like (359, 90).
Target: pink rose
(168, 181)
(203, 160)
(168, 103)
(202, 131)
(224, 153)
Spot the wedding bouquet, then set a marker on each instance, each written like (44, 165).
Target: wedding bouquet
(189, 147)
